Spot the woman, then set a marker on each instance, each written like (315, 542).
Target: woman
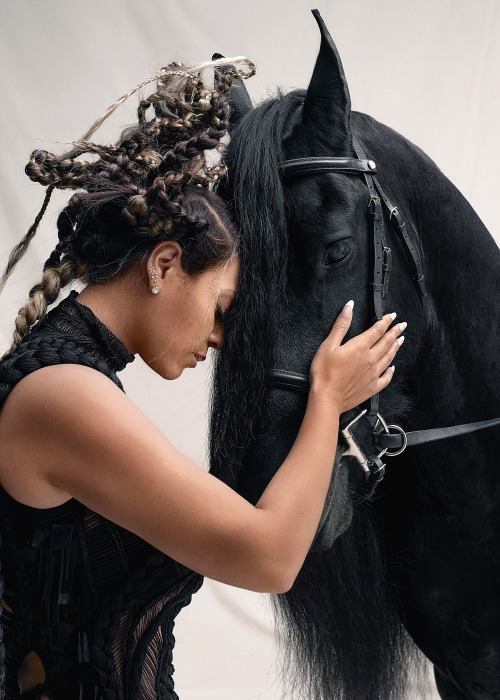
(92, 577)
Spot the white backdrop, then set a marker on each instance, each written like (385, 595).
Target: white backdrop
(429, 70)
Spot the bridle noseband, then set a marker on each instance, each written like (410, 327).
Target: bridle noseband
(382, 440)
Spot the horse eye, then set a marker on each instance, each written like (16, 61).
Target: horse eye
(337, 252)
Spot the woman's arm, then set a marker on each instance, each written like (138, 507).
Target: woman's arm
(101, 449)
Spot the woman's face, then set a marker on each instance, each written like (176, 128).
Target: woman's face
(185, 318)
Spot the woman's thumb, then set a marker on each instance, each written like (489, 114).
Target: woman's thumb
(342, 323)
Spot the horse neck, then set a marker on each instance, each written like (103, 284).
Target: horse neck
(463, 314)
(458, 368)
(455, 376)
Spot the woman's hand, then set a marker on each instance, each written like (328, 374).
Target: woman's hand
(352, 373)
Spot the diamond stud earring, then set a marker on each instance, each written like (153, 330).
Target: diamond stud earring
(155, 289)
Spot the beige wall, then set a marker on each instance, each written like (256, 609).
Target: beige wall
(428, 69)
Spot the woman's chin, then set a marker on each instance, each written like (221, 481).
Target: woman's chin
(172, 371)
(166, 372)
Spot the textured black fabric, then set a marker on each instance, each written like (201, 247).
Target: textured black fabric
(94, 601)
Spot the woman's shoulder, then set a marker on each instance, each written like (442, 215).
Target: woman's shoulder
(48, 391)
(50, 380)
(53, 393)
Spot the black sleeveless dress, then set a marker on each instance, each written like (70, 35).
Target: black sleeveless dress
(93, 600)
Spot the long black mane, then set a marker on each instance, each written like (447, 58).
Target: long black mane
(241, 370)
(341, 623)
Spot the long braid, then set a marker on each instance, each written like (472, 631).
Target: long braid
(42, 294)
(18, 252)
(57, 274)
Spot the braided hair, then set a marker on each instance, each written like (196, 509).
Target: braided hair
(152, 185)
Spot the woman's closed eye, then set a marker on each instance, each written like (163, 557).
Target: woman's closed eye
(219, 314)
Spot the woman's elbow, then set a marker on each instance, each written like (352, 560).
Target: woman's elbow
(280, 581)
(269, 579)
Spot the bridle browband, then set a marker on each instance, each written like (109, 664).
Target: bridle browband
(384, 440)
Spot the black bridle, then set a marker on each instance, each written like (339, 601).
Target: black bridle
(382, 440)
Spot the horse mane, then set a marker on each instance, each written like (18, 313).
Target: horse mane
(341, 624)
(240, 378)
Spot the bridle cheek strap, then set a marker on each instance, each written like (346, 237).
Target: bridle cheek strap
(397, 441)
(381, 252)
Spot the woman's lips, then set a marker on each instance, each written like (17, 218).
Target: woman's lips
(196, 358)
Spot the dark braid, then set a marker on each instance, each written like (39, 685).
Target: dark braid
(22, 246)
(152, 185)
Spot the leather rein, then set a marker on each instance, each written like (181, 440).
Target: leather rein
(388, 440)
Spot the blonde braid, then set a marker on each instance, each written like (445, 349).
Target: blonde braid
(42, 295)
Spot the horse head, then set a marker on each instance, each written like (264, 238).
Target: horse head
(327, 258)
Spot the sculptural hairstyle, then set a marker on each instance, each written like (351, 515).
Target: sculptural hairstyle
(152, 185)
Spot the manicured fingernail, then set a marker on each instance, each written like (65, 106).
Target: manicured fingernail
(402, 326)
(347, 310)
(401, 339)
(393, 367)
(393, 315)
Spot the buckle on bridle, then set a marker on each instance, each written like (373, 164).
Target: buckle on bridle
(374, 205)
(354, 450)
(386, 427)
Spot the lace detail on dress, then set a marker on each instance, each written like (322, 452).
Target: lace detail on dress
(94, 601)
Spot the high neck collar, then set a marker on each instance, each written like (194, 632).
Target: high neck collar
(83, 321)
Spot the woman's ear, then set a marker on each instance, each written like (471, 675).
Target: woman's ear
(165, 258)
(163, 265)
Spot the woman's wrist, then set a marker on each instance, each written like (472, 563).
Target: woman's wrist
(324, 396)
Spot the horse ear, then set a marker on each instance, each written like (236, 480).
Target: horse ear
(328, 96)
(239, 99)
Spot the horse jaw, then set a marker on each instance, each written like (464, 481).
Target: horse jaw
(328, 101)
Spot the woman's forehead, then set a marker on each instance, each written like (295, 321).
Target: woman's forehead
(232, 274)
(227, 280)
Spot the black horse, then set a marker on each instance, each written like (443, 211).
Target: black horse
(422, 555)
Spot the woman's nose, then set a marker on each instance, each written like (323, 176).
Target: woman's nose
(216, 339)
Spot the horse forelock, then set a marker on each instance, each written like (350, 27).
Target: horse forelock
(241, 371)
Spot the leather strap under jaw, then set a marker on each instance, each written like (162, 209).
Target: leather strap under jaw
(290, 380)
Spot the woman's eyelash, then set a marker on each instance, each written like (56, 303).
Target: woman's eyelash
(219, 314)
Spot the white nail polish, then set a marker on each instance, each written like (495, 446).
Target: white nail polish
(393, 315)
(350, 303)
(402, 326)
(400, 339)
